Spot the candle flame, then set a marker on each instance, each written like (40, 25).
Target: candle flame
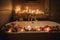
(28, 10)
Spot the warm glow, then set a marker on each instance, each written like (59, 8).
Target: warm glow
(10, 30)
(21, 29)
(28, 28)
(47, 29)
(38, 11)
(33, 11)
(28, 10)
(38, 29)
(18, 9)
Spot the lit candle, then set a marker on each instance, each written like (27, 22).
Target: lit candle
(17, 9)
(30, 10)
(27, 8)
(33, 11)
(37, 11)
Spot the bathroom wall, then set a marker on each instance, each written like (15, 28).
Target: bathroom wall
(55, 10)
(5, 11)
